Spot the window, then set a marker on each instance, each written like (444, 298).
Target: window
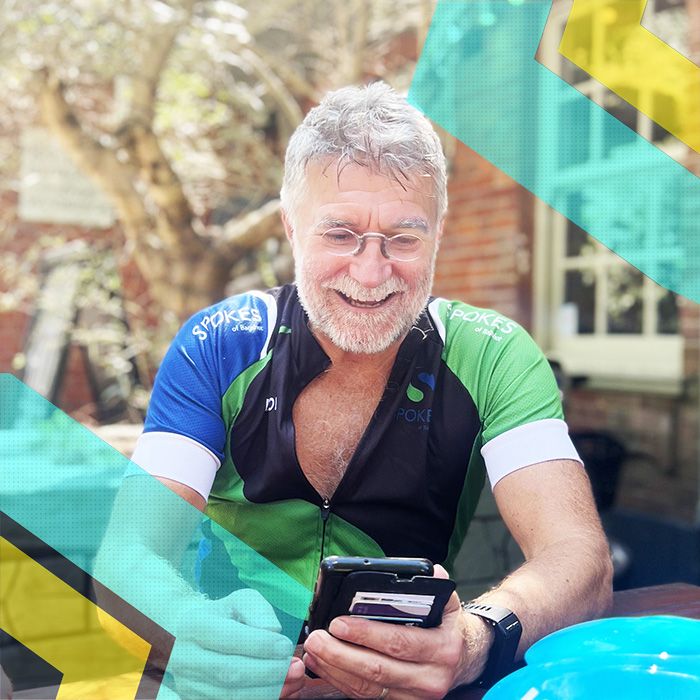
(595, 313)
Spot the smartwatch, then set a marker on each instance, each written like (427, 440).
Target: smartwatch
(507, 629)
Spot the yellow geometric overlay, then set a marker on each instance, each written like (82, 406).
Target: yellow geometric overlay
(61, 625)
(606, 39)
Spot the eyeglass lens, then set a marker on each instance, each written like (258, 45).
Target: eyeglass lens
(341, 241)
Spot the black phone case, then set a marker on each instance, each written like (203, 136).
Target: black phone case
(339, 591)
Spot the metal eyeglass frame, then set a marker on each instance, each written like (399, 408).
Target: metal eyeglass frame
(360, 240)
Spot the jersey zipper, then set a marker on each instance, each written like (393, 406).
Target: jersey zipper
(325, 512)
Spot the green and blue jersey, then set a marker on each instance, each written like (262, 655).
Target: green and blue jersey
(469, 391)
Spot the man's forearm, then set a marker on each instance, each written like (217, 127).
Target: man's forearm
(141, 555)
(564, 584)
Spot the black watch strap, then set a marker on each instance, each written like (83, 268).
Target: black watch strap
(507, 630)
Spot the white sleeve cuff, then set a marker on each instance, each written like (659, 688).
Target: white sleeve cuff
(539, 441)
(177, 457)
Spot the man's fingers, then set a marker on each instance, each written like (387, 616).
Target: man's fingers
(350, 685)
(227, 636)
(250, 607)
(365, 665)
(396, 641)
(225, 671)
(440, 571)
(296, 678)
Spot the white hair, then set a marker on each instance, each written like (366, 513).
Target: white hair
(372, 126)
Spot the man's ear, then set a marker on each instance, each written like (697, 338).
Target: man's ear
(288, 228)
(438, 232)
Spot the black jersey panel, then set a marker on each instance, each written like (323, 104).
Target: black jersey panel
(405, 479)
(262, 437)
(413, 480)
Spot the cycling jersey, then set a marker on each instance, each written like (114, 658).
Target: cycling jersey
(469, 389)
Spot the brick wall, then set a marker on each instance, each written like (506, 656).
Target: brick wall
(76, 395)
(13, 328)
(485, 254)
(485, 259)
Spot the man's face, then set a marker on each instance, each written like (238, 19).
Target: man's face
(366, 302)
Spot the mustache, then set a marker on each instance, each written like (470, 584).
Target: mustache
(350, 287)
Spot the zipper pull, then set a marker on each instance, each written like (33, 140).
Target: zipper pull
(325, 509)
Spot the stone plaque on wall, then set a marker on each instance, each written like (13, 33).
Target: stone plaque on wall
(53, 190)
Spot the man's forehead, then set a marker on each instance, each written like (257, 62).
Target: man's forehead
(339, 195)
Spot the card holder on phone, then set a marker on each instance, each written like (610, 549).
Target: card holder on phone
(375, 595)
(378, 595)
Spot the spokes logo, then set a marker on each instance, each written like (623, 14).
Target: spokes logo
(414, 393)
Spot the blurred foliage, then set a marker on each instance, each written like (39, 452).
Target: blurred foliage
(236, 79)
(218, 119)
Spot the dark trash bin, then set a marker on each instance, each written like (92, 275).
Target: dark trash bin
(603, 456)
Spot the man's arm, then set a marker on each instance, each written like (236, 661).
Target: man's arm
(185, 492)
(567, 575)
(232, 642)
(566, 578)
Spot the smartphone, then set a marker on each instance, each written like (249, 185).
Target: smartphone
(395, 590)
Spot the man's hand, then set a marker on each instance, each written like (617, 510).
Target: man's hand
(232, 647)
(369, 659)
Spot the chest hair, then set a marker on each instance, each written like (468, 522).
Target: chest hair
(330, 416)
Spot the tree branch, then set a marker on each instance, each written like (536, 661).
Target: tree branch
(298, 85)
(163, 184)
(360, 30)
(249, 230)
(116, 179)
(100, 163)
(145, 84)
(288, 105)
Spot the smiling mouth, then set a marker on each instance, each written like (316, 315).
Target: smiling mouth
(364, 304)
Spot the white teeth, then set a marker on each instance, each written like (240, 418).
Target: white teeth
(363, 304)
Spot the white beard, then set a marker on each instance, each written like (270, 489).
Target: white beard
(361, 332)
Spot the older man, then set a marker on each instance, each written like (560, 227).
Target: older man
(352, 414)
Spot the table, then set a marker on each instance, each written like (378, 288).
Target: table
(668, 599)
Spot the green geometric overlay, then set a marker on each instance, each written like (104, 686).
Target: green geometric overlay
(140, 542)
(479, 79)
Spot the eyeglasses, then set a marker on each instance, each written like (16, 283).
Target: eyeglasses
(403, 247)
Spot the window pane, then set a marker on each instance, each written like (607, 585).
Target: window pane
(667, 309)
(576, 239)
(579, 289)
(664, 104)
(573, 151)
(613, 136)
(624, 300)
(583, 30)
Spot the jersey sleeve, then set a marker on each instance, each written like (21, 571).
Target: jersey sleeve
(512, 386)
(184, 434)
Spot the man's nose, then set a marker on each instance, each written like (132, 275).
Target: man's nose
(370, 268)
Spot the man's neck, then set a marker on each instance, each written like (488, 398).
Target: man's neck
(358, 361)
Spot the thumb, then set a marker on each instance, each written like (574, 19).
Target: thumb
(440, 571)
(250, 608)
(453, 603)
